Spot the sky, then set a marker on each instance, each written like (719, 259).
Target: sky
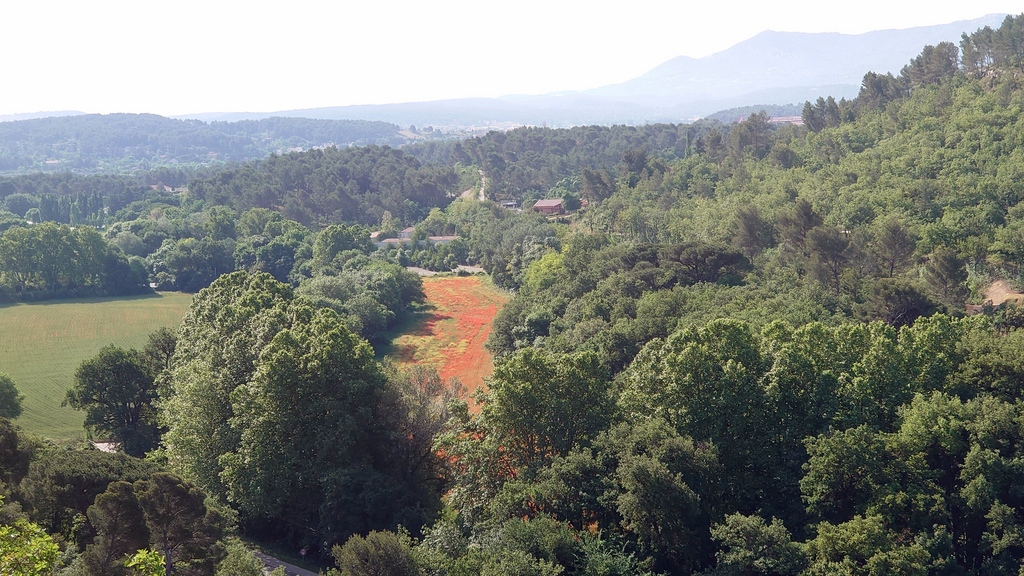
(191, 56)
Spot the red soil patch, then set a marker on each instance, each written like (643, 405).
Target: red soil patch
(451, 338)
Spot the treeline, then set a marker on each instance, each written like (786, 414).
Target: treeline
(352, 185)
(70, 198)
(338, 267)
(51, 260)
(526, 162)
(130, 142)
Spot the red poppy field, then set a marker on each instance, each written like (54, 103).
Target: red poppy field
(452, 329)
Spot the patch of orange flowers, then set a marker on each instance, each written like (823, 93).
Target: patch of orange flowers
(451, 337)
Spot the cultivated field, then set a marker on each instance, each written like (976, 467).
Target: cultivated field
(42, 344)
(450, 334)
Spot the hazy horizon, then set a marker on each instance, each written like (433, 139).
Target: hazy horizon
(118, 56)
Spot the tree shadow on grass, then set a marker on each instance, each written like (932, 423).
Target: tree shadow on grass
(7, 303)
(419, 322)
(93, 299)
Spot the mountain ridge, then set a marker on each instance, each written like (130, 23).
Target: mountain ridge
(771, 68)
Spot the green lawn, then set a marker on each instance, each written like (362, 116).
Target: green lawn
(42, 344)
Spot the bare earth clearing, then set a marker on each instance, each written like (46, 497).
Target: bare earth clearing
(998, 292)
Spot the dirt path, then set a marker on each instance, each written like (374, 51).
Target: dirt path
(474, 193)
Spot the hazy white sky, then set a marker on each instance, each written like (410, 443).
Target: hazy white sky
(190, 56)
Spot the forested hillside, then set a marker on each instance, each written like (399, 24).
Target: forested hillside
(334, 186)
(116, 143)
(745, 349)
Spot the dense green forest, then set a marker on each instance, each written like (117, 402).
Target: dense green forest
(747, 352)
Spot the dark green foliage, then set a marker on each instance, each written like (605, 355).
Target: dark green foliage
(526, 159)
(892, 246)
(49, 260)
(116, 388)
(335, 240)
(20, 203)
(795, 223)
(159, 350)
(935, 64)
(829, 249)
(182, 528)
(10, 398)
(16, 453)
(994, 52)
(992, 365)
(370, 296)
(190, 265)
(334, 185)
(935, 475)
(609, 297)
(62, 484)
(842, 472)
(120, 526)
(897, 302)
(946, 273)
(300, 428)
(541, 405)
(822, 114)
(752, 136)
(753, 233)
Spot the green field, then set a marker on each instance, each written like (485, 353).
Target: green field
(42, 344)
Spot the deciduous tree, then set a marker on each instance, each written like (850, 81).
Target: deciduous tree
(10, 398)
(117, 391)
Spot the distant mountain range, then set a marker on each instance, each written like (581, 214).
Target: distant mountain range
(782, 69)
(770, 68)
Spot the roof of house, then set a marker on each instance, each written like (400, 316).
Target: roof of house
(549, 203)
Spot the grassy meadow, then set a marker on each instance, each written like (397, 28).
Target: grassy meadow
(41, 345)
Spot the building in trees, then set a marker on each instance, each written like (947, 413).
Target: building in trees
(553, 206)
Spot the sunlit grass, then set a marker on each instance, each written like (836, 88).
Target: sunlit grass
(41, 345)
